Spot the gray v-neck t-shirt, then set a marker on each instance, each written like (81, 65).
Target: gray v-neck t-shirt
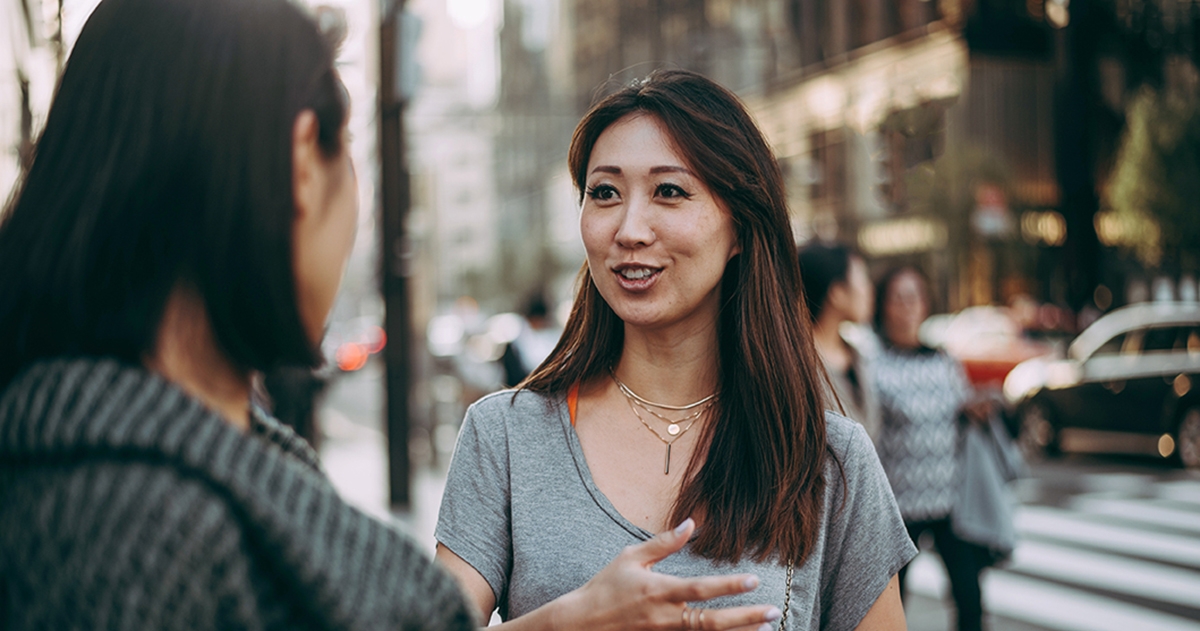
(520, 506)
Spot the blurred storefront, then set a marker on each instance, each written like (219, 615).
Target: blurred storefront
(976, 138)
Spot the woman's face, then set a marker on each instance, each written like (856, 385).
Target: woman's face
(904, 309)
(323, 233)
(657, 239)
(859, 295)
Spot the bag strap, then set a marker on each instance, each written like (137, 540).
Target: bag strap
(787, 598)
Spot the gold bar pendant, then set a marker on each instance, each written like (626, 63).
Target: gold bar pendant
(667, 465)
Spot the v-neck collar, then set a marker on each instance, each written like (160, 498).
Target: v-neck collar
(585, 475)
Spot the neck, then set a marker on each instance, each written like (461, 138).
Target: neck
(670, 368)
(187, 354)
(826, 336)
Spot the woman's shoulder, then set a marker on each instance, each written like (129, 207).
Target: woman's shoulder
(845, 437)
(516, 408)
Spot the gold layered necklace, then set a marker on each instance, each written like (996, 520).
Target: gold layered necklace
(676, 428)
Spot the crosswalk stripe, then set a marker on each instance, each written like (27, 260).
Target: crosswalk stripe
(1180, 491)
(1047, 604)
(1141, 511)
(1111, 573)
(1050, 605)
(1061, 525)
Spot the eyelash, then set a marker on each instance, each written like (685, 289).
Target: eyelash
(674, 188)
(594, 192)
(676, 191)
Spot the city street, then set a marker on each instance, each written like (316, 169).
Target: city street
(1107, 543)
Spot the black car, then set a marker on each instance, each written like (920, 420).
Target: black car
(1130, 383)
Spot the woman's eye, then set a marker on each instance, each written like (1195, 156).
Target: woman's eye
(671, 191)
(602, 192)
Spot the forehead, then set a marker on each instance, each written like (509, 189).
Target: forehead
(635, 142)
(906, 282)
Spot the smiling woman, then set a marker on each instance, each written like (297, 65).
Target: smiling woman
(685, 390)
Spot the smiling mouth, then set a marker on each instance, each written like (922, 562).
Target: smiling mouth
(637, 273)
(637, 278)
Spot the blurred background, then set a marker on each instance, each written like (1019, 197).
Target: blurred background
(1038, 159)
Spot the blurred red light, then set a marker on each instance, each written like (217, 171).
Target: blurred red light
(351, 357)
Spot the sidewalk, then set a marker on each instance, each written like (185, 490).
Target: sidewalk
(355, 457)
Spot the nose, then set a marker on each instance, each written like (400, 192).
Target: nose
(635, 229)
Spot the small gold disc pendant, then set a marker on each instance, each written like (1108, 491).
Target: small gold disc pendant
(673, 429)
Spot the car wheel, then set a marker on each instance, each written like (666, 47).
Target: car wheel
(1188, 438)
(1036, 436)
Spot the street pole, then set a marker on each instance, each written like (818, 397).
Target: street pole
(395, 203)
(1075, 157)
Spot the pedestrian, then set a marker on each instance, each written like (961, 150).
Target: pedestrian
(838, 290)
(534, 342)
(184, 226)
(922, 393)
(684, 399)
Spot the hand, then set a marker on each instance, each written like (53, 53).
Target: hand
(627, 594)
(979, 411)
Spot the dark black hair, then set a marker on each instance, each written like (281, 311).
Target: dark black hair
(536, 307)
(166, 160)
(823, 265)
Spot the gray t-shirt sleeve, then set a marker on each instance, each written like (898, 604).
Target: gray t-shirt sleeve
(867, 542)
(475, 520)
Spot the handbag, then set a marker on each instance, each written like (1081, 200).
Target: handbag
(984, 507)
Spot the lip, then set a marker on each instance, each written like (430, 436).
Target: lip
(638, 285)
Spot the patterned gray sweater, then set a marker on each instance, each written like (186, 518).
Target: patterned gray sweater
(125, 504)
(920, 394)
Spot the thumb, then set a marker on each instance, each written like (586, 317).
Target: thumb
(664, 544)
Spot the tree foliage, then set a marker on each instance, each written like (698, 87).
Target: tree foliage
(1154, 189)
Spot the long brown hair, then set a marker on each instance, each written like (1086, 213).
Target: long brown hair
(757, 479)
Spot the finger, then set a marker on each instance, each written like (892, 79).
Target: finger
(692, 590)
(748, 618)
(662, 545)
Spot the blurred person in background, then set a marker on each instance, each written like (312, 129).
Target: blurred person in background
(684, 399)
(184, 226)
(537, 338)
(837, 290)
(922, 392)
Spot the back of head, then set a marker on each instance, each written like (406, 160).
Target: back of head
(166, 160)
(822, 265)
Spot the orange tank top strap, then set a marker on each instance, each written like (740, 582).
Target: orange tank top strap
(573, 402)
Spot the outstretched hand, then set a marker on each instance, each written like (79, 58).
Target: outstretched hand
(628, 594)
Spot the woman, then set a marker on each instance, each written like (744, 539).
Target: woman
(685, 390)
(184, 226)
(922, 392)
(837, 289)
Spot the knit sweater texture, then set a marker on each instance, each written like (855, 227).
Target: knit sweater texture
(126, 504)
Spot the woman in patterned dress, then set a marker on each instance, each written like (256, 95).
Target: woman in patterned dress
(922, 392)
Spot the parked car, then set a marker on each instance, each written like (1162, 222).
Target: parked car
(987, 340)
(1130, 382)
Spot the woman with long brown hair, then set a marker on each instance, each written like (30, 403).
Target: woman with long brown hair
(685, 390)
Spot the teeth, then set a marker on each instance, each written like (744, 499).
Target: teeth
(637, 274)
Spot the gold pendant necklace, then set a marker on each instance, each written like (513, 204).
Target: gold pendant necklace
(675, 427)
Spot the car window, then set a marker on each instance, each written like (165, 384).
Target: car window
(1111, 347)
(1132, 344)
(1160, 339)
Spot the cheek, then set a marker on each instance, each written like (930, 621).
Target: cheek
(595, 233)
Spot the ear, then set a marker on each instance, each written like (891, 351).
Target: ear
(838, 294)
(306, 165)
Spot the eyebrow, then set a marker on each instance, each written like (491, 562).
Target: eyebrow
(653, 170)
